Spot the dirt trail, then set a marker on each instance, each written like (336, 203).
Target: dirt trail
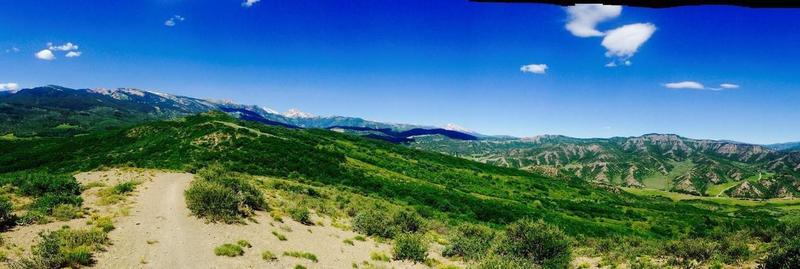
(160, 233)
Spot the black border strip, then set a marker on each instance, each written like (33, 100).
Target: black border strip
(663, 4)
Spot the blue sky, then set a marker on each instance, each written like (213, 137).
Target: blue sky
(433, 62)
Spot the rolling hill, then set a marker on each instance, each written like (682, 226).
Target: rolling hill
(658, 161)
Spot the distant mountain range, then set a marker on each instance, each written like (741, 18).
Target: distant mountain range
(658, 161)
(60, 111)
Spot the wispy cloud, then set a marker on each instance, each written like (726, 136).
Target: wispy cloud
(66, 47)
(534, 68)
(693, 85)
(46, 55)
(73, 54)
(10, 86)
(685, 85)
(12, 50)
(250, 3)
(583, 19)
(172, 21)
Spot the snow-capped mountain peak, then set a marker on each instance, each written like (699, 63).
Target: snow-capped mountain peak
(457, 128)
(295, 113)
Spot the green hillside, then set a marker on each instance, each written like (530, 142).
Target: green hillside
(448, 189)
(655, 161)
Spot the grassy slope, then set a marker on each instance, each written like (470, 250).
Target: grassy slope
(438, 186)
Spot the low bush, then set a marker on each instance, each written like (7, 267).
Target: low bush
(125, 187)
(7, 217)
(378, 256)
(503, 262)
(280, 236)
(301, 215)
(784, 251)
(407, 221)
(244, 244)
(303, 255)
(222, 196)
(469, 241)
(65, 212)
(212, 201)
(104, 223)
(230, 250)
(64, 248)
(410, 247)
(373, 222)
(268, 256)
(535, 242)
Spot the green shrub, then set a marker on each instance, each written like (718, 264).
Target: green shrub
(64, 248)
(300, 254)
(104, 223)
(378, 256)
(536, 242)
(360, 238)
(39, 184)
(301, 215)
(349, 242)
(280, 236)
(784, 251)
(125, 187)
(7, 217)
(783, 255)
(268, 256)
(244, 243)
(48, 201)
(230, 250)
(75, 257)
(410, 247)
(299, 267)
(373, 222)
(222, 196)
(212, 201)
(502, 262)
(690, 249)
(65, 212)
(407, 221)
(469, 241)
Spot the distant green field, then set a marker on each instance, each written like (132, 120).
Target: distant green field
(784, 203)
(717, 190)
(664, 182)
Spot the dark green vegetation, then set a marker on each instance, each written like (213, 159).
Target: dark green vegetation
(221, 196)
(64, 248)
(49, 191)
(657, 161)
(411, 247)
(392, 185)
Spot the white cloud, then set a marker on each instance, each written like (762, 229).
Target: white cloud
(249, 3)
(729, 86)
(174, 20)
(685, 85)
(46, 55)
(72, 54)
(534, 68)
(66, 47)
(12, 49)
(625, 41)
(583, 19)
(11, 86)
